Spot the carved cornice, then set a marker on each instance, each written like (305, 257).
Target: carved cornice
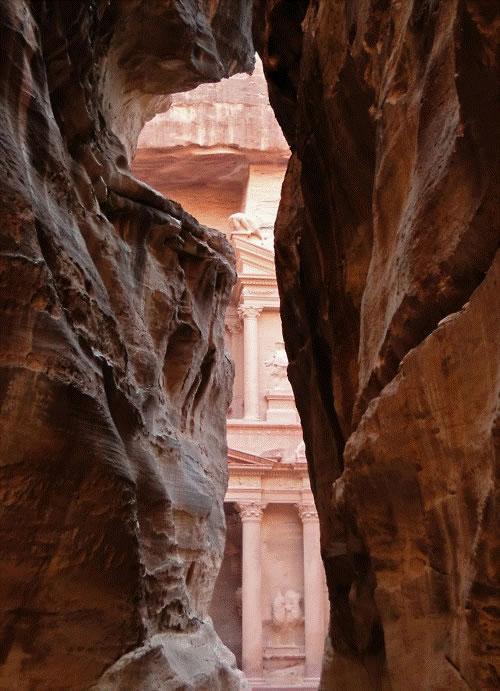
(251, 281)
(261, 426)
(250, 511)
(260, 291)
(249, 311)
(307, 512)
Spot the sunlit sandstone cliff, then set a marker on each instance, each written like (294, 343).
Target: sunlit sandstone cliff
(218, 150)
(113, 379)
(385, 248)
(232, 113)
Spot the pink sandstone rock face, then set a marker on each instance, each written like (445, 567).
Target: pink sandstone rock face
(114, 383)
(385, 248)
(218, 150)
(232, 113)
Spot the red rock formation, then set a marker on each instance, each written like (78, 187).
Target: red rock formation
(114, 384)
(113, 381)
(385, 250)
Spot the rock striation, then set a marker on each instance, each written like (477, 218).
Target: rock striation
(114, 384)
(113, 381)
(386, 252)
(218, 150)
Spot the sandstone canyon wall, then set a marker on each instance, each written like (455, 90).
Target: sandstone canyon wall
(386, 245)
(114, 385)
(218, 150)
(113, 378)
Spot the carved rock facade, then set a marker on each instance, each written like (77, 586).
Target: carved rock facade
(385, 249)
(114, 383)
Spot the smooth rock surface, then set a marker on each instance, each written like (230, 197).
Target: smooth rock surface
(114, 384)
(385, 250)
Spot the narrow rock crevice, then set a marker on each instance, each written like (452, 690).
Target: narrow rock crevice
(114, 385)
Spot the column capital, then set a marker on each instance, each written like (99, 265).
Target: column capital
(249, 311)
(307, 512)
(250, 511)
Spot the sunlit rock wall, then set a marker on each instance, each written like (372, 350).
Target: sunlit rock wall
(114, 385)
(385, 246)
(233, 113)
(218, 150)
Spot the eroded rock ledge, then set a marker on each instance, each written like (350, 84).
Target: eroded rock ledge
(385, 248)
(113, 376)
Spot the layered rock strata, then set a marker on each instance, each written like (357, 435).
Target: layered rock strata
(113, 379)
(386, 246)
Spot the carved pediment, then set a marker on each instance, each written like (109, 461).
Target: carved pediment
(248, 460)
(252, 259)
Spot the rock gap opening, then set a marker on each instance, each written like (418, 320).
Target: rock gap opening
(220, 153)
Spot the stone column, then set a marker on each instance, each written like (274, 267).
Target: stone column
(313, 591)
(250, 360)
(251, 625)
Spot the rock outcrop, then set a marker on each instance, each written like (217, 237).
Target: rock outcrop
(113, 379)
(386, 245)
(233, 113)
(213, 151)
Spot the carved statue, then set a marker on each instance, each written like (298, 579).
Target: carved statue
(293, 612)
(278, 610)
(278, 363)
(242, 223)
(285, 609)
(300, 452)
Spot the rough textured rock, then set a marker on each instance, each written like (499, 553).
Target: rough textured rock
(114, 385)
(385, 249)
(232, 113)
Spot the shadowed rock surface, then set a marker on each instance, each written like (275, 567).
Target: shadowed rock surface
(114, 385)
(113, 381)
(386, 245)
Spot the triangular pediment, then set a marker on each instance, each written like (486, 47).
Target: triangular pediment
(243, 458)
(253, 259)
